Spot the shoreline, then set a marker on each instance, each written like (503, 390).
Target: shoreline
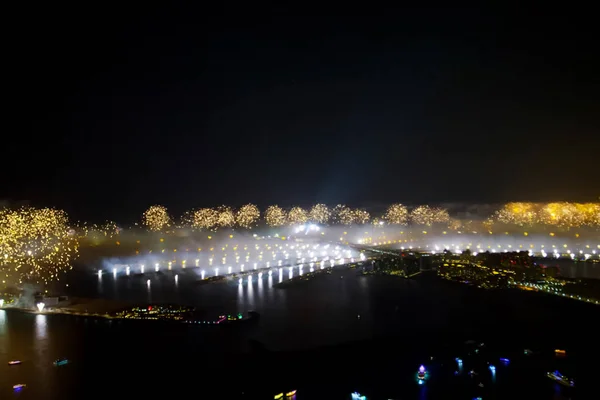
(58, 312)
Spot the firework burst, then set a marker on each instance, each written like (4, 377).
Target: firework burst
(343, 215)
(226, 217)
(320, 214)
(156, 218)
(247, 216)
(275, 216)
(297, 215)
(523, 214)
(361, 216)
(205, 218)
(36, 245)
(396, 214)
(425, 215)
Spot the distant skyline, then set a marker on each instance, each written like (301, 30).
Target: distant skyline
(114, 114)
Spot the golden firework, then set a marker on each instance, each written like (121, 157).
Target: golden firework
(523, 214)
(297, 215)
(397, 214)
(343, 215)
(205, 218)
(226, 217)
(275, 216)
(156, 218)
(426, 215)
(247, 216)
(361, 216)
(320, 214)
(36, 245)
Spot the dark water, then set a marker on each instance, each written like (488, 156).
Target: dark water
(311, 338)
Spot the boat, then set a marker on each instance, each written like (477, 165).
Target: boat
(19, 386)
(60, 362)
(14, 362)
(250, 316)
(421, 375)
(560, 378)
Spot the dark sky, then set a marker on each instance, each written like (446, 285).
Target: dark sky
(113, 112)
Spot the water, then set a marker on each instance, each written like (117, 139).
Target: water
(402, 323)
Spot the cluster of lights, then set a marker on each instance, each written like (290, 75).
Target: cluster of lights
(156, 218)
(36, 245)
(560, 214)
(107, 230)
(426, 215)
(247, 216)
(275, 216)
(297, 215)
(554, 289)
(320, 214)
(397, 214)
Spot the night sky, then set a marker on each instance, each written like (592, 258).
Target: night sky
(111, 114)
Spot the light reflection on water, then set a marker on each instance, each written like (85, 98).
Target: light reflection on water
(3, 330)
(41, 328)
(240, 297)
(250, 292)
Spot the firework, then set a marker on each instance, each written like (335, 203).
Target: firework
(97, 231)
(275, 216)
(36, 245)
(247, 216)
(425, 215)
(562, 214)
(297, 215)
(320, 214)
(343, 215)
(523, 214)
(205, 218)
(455, 224)
(226, 217)
(397, 214)
(590, 213)
(156, 218)
(361, 216)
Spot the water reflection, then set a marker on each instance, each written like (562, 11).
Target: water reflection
(240, 296)
(261, 291)
(2, 322)
(250, 290)
(41, 327)
(100, 288)
(149, 290)
(270, 288)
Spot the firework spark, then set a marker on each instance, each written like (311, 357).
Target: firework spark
(275, 216)
(396, 214)
(36, 245)
(320, 214)
(426, 215)
(297, 215)
(343, 215)
(205, 218)
(156, 218)
(523, 214)
(247, 216)
(226, 217)
(361, 216)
